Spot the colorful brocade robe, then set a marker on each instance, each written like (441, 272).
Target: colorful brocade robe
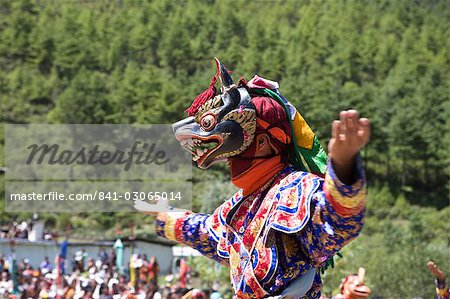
(277, 234)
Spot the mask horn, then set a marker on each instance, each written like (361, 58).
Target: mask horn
(224, 77)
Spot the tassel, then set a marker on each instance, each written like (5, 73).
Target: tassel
(202, 98)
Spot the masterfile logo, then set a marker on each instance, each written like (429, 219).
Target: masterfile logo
(95, 168)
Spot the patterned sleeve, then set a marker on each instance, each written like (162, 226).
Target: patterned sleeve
(199, 231)
(337, 215)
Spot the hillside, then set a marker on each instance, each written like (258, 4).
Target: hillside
(126, 62)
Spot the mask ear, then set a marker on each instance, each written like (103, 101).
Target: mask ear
(224, 76)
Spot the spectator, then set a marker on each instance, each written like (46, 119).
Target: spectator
(153, 270)
(442, 290)
(46, 266)
(352, 287)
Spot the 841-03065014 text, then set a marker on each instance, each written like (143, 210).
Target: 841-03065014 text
(98, 195)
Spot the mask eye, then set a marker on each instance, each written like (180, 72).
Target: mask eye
(208, 122)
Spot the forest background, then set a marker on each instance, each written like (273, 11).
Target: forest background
(126, 62)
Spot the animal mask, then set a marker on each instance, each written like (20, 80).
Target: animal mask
(219, 127)
(223, 125)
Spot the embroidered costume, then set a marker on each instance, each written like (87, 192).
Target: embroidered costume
(292, 213)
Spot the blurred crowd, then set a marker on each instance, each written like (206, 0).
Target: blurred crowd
(92, 278)
(101, 279)
(22, 230)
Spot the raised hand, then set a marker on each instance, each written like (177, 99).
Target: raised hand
(151, 209)
(155, 208)
(436, 271)
(348, 136)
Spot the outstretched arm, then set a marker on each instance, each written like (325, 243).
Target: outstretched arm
(199, 231)
(338, 209)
